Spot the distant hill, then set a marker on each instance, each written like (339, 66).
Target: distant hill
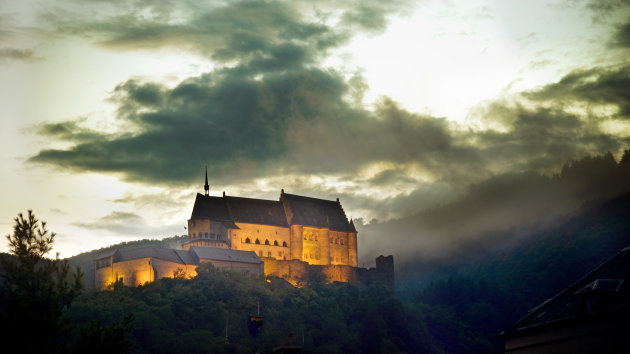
(486, 291)
(85, 260)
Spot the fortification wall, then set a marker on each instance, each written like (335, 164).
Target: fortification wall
(299, 272)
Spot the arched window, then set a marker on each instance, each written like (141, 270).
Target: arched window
(257, 241)
(275, 243)
(247, 240)
(284, 244)
(266, 242)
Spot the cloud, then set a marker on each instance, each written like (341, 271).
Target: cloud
(128, 224)
(622, 36)
(271, 114)
(497, 212)
(118, 222)
(16, 54)
(596, 86)
(261, 32)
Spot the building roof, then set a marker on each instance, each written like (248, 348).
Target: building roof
(167, 254)
(224, 254)
(214, 208)
(316, 212)
(605, 288)
(256, 211)
(290, 210)
(186, 257)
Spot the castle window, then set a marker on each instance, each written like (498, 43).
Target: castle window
(315, 237)
(247, 240)
(279, 253)
(267, 242)
(258, 242)
(206, 234)
(275, 243)
(341, 241)
(284, 244)
(306, 238)
(336, 241)
(269, 254)
(259, 253)
(331, 240)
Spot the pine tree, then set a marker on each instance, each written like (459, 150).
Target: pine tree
(35, 291)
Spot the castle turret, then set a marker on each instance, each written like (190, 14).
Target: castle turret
(206, 187)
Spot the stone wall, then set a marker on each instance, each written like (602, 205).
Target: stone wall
(301, 273)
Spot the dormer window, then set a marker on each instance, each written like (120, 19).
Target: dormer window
(247, 240)
(267, 242)
(257, 241)
(275, 243)
(284, 244)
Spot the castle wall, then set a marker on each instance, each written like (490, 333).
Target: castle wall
(251, 268)
(139, 271)
(198, 228)
(296, 242)
(204, 243)
(315, 248)
(262, 233)
(353, 250)
(339, 245)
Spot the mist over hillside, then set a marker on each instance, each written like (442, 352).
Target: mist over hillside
(498, 213)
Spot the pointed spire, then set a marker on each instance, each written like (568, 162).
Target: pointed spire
(206, 187)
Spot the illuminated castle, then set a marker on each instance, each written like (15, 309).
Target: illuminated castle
(312, 230)
(288, 238)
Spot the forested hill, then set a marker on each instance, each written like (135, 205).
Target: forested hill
(478, 296)
(85, 260)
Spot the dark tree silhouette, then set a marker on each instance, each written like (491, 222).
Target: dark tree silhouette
(35, 291)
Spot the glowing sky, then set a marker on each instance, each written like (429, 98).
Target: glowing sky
(111, 109)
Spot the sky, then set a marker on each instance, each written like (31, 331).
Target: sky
(112, 109)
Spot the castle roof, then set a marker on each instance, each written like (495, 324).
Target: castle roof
(606, 288)
(315, 212)
(290, 210)
(224, 254)
(167, 254)
(190, 257)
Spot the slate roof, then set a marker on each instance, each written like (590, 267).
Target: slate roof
(167, 254)
(316, 212)
(214, 208)
(256, 211)
(290, 210)
(186, 257)
(605, 288)
(224, 254)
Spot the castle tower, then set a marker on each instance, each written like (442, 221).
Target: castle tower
(206, 187)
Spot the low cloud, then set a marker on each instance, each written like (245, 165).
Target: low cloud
(128, 224)
(8, 54)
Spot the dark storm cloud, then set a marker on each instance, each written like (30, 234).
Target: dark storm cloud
(622, 36)
(593, 86)
(68, 130)
(245, 31)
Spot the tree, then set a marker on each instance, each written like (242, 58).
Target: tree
(35, 291)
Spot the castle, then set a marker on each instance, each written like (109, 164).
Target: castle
(312, 230)
(288, 238)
